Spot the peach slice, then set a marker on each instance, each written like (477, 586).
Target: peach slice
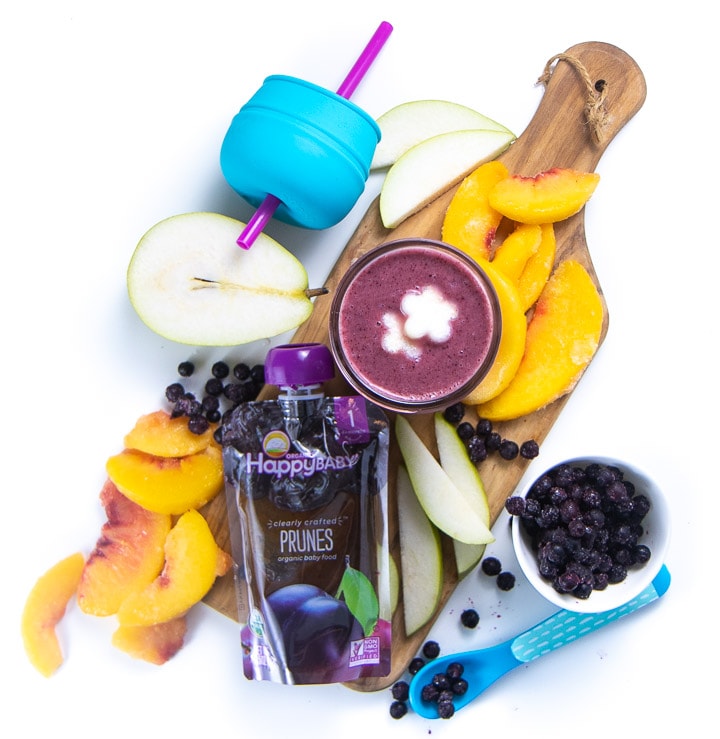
(168, 484)
(548, 197)
(160, 434)
(128, 555)
(156, 643)
(517, 248)
(512, 340)
(224, 563)
(191, 561)
(562, 337)
(470, 222)
(537, 268)
(44, 607)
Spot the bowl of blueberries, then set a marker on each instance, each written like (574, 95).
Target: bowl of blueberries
(590, 533)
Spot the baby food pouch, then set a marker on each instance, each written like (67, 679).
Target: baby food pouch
(306, 485)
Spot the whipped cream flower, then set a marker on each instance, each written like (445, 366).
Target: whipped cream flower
(428, 314)
(425, 314)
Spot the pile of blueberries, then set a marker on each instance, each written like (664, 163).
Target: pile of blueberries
(585, 523)
(481, 440)
(442, 689)
(222, 392)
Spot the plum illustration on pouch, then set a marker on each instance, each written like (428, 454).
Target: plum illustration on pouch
(315, 626)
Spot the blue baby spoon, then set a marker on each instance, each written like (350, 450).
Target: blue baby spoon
(482, 667)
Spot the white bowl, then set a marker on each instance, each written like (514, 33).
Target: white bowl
(656, 524)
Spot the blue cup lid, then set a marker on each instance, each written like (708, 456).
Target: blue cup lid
(295, 365)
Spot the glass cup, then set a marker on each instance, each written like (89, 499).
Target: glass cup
(414, 325)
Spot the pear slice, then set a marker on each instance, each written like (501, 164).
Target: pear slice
(190, 282)
(420, 557)
(410, 123)
(386, 562)
(455, 461)
(467, 557)
(433, 166)
(451, 509)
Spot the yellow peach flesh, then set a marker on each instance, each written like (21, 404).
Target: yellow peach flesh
(516, 249)
(168, 484)
(537, 269)
(160, 434)
(156, 643)
(128, 555)
(512, 338)
(470, 222)
(191, 562)
(547, 197)
(562, 337)
(44, 608)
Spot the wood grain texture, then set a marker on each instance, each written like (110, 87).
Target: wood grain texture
(557, 136)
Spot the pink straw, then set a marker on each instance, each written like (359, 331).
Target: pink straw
(269, 205)
(365, 60)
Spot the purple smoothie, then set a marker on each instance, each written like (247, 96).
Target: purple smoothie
(414, 325)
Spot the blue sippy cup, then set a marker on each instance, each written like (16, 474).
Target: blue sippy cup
(307, 146)
(301, 152)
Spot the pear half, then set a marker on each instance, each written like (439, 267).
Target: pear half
(433, 166)
(420, 557)
(455, 461)
(190, 282)
(407, 124)
(454, 511)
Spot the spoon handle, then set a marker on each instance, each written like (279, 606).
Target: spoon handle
(565, 627)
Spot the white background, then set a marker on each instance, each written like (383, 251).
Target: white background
(113, 116)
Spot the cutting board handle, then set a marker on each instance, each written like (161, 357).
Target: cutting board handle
(592, 90)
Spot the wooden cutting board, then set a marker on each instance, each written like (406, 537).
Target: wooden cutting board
(559, 135)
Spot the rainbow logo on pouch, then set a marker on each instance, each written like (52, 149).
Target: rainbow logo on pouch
(276, 444)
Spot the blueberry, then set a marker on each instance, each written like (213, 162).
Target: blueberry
(241, 372)
(400, 690)
(506, 581)
(508, 449)
(477, 449)
(465, 431)
(185, 369)
(454, 414)
(491, 566)
(641, 554)
(214, 386)
(174, 392)
(398, 709)
(431, 649)
(257, 374)
(220, 370)
(455, 670)
(470, 618)
(441, 681)
(515, 505)
(198, 424)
